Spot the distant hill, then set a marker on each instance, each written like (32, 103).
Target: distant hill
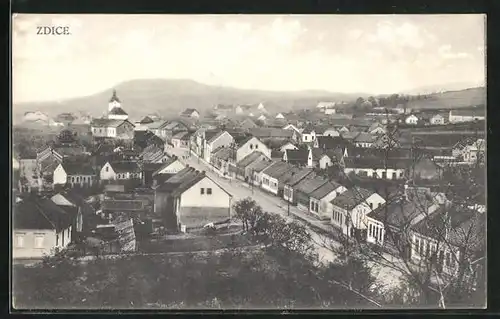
(168, 97)
(455, 86)
(452, 99)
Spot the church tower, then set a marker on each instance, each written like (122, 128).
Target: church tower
(114, 102)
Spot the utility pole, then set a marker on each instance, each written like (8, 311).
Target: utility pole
(252, 179)
(288, 206)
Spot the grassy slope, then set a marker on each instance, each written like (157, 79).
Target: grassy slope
(452, 99)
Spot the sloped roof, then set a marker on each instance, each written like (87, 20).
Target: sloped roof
(401, 212)
(247, 160)
(189, 111)
(209, 134)
(125, 166)
(223, 153)
(34, 212)
(276, 170)
(259, 166)
(78, 168)
(297, 155)
(465, 226)
(277, 154)
(146, 120)
(352, 198)
(300, 175)
(183, 136)
(215, 136)
(271, 132)
(122, 205)
(364, 137)
(117, 111)
(166, 164)
(309, 185)
(324, 190)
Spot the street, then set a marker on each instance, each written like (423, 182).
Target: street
(386, 276)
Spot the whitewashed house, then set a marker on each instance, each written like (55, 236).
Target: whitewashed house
(81, 174)
(411, 120)
(251, 145)
(123, 170)
(351, 208)
(220, 139)
(319, 200)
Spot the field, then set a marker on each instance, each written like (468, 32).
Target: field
(452, 99)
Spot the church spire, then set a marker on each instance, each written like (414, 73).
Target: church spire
(114, 97)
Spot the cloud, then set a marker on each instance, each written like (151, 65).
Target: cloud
(446, 53)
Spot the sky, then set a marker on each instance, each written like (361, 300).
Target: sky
(376, 54)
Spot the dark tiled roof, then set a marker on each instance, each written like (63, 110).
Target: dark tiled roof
(78, 168)
(364, 137)
(250, 158)
(465, 226)
(277, 154)
(331, 142)
(324, 190)
(214, 137)
(209, 134)
(117, 111)
(317, 153)
(402, 213)
(259, 166)
(351, 198)
(297, 155)
(39, 213)
(263, 132)
(308, 186)
(146, 120)
(151, 167)
(276, 170)
(125, 167)
(299, 176)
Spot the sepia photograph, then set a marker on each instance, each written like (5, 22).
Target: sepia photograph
(248, 162)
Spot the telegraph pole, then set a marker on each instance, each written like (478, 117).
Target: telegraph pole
(252, 179)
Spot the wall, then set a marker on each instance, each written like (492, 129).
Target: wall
(49, 242)
(375, 237)
(331, 133)
(125, 130)
(418, 254)
(193, 197)
(82, 180)
(251, 146)
(107, 175)
(325, 162)
(271, 186)
(223, 140)
(60, 176)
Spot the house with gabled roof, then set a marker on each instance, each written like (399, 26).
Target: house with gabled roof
(181, 140)
(452, 237)
(351, 208)
(303, 190)
(298, 176)
(247, 124)
(190, 200)
(39, 228)
(376, 167)
(248, 145)
(168, 169)
(388, 224)
(112, 128)
(243, 169)
(319, 199)
(193, 113)
(271, 174)
(257, 170)
(75, 173)
(467, 115)
(214, 140)
(120, 170)
(300, 157)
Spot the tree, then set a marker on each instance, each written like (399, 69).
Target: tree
(248, 212)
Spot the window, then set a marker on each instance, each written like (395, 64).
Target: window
(251, 146)
(370, 230)
(256, 146)
(20, 240)
(39, 241)
(63, 238)
(78, 179)
(202, 191)
(72, 179)
(209, 191)
(107, 169)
